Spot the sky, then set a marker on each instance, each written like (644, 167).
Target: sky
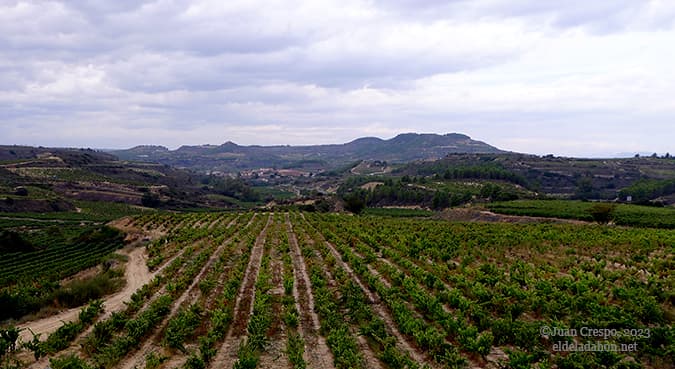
(573, 78)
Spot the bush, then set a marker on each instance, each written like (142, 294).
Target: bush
(81, 292)
(602, 212)
(13, 242)
(354, 203)
(8, 339)
(21, 191)
(150, 200)
(182, 326)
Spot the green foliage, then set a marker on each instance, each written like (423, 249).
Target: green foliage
(492, 171)
(398, 212)
(64, 335)
(182, 326)
(233, 187)
(494, 192)
(11, 241)
(154, 360)
(29, 280)
(585, 189)
(519, 360)
(623, 214)
(247, 358)
(150, 200)
(339, 339)
(354, 203)
(89, 313)
(453, 290)
(295, 349)
(291, 318)
(71, 361)
(646, 190)
(135, 331)
(90, 211)
(194, 362)
(8, 339)
(35, 346)
(435, 193)
(79, 292)
(433, 263)
(602, 212)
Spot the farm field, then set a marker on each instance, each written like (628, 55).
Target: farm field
(306, 290)
(623, 214)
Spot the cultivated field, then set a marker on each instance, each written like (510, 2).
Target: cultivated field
(304, 290)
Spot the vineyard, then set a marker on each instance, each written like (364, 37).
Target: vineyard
(305, 290)
(623, 214)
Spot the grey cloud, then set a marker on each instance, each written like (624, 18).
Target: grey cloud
(118, 73)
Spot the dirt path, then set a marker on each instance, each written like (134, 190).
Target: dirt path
(136, 275)
(243, 305)
(317, 354)
(44, 361)
(137, 359)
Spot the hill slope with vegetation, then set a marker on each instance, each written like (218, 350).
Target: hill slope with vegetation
(39, 180)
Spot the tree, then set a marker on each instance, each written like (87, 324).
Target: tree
(354, 203)
(602, 212)
(21, 191)
(584, 189)
(150, 200)
(441, 200)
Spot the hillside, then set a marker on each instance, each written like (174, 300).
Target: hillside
(557, 176)
(231, 158)
(42, 179)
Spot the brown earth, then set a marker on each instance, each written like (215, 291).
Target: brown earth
(136, 275)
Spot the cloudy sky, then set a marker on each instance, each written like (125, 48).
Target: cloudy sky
(574, 77)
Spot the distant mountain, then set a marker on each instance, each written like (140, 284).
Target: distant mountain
(230, 157)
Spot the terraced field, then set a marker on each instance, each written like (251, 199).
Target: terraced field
(302, 290)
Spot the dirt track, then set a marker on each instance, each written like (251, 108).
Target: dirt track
(136, 275)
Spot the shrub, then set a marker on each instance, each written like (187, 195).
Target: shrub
(602, 212)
